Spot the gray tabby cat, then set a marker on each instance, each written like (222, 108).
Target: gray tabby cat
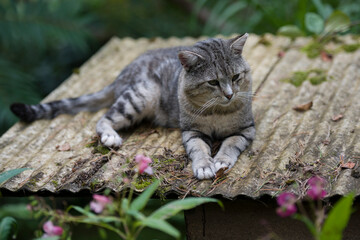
(204, 89)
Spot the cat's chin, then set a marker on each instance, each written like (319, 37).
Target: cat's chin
(226, 103)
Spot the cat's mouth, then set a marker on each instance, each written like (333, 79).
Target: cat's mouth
(226, 102)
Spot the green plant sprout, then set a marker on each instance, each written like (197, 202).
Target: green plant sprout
(322, 225)
(323, 26)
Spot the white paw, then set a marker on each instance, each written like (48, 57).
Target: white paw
(111, 139)
(204, 169)
(223, 162)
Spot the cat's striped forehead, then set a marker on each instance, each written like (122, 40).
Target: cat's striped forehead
(217, 53)
(213, 49)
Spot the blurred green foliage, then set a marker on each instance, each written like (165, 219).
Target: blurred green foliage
(42, 42)
(30, 225)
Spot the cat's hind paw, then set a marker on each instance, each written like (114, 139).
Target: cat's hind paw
(111, 139)
(205, 170)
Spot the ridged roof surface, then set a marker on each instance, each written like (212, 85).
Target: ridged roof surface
(290, 145)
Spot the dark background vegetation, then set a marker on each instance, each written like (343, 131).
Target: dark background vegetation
(43, 41)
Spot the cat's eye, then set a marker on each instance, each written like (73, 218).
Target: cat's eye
(235, 77)
(213, 82)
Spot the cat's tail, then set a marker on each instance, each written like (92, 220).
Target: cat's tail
(90, 102)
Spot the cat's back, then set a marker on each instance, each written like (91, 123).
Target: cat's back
(155, 65)
(154, 75)
(159, 56)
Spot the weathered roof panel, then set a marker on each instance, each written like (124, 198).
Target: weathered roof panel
(290, 146)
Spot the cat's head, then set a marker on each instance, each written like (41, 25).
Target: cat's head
(215, 71)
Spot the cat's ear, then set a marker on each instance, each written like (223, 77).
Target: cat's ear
(189, 59)
(237, 43)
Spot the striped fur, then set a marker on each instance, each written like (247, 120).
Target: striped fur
(204, 89)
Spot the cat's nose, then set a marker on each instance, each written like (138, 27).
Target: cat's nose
(229, 96)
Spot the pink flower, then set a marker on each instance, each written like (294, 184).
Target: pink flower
(126, 180)
(29, 207)
(143, 164)
(285, 211)
(99, 203)
(51, 230)
(101, 199)
(286, 198)
(286, 203)
(96, 207)
(316, 188)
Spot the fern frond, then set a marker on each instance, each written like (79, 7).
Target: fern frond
(40, 24)
(15, 86)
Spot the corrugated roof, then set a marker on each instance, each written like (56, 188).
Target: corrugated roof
(290, 145)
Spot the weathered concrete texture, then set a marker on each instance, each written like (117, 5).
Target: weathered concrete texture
(290, 146)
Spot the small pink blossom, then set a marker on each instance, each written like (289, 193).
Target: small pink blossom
(316, 188)
(29, 207)
(101, 199)
(126, 180)
(143, 164)
(96, 207)
(286, 211)
(286, 203)
(99, 203)
(286, 198)
(51, 230)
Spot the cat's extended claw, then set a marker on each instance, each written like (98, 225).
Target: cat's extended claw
(111, 139)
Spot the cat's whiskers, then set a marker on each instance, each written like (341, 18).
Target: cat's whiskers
(245, 95)
(206, 105)
(248, 95)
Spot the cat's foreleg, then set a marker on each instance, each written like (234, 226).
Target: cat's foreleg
(122, 114)
(232, 147)
(108, 136)
(197, 146)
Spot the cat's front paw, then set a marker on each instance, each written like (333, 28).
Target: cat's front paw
(223, 162)
(111, 139)
(203, 169)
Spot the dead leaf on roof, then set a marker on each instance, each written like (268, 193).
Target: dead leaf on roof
(64, 147)
(348, 165)
(337, 117)
(281, 54)
(221, 172)
(326, 57)
(303, 107)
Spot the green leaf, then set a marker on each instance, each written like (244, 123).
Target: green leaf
(314, 23)
(4, 176)
(8, 228)
(48, 238)
(229, 12)
(175, 207)
(162, 226)
(309, 224)
(323, 9)
(337, 22)
(337, 219)
(102, 233)
(232, 10)
(290, 31)
(19, 211)
(125, 205)
(83, 211)
(136, 214)
(140, 202)
(107, 219)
